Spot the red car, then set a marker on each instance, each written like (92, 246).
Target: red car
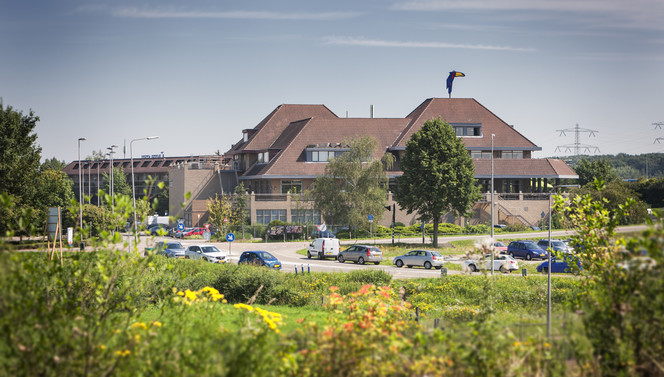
(501, 247)
(193, 232)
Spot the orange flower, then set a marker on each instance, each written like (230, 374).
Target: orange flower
(334, 288)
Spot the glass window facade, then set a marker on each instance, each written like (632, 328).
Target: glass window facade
(264, 216)
(305, 216)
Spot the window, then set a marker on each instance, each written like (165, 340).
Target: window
(323, 155)
(467, 129)
(264, 216)
(512, 154)
(292, 186)
(480, 154)
(305, 216)
(263, 157)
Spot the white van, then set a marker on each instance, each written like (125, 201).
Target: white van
(323, 248)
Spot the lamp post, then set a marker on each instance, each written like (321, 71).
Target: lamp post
(133, 187)
(111, 190)
(80, 187)
(89, 183)
(98, 182)
(492, 240)
(548, 268)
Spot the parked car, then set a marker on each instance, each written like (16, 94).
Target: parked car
(155, 229)
(525, 249)
(561, 265)
(499, 226)
(208, 253)
(500, 246)
(192, 232)
(361, 254)
(557, 245)
(424, 258)
(536, 228)
(502, 263)
(260, 258)
(324, 248)
(170, 249)
(323, 234)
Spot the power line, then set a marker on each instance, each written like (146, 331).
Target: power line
(577, 146)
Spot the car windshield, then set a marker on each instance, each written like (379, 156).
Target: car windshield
(436, 254)
(530, 245)
(175, 245)
(499, 244)
(210, 249)
(265, 255)
(375, 249)
(558, 243)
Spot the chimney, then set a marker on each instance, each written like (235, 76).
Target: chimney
(371, 112)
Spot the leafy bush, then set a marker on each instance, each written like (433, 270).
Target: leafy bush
(516, 227)
(477, 229)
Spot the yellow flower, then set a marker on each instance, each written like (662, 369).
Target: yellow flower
(136, 325)
(191, 296)
(155, 323)
(122, 353)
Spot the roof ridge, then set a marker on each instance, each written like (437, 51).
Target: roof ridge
(292, 139)
(428, 102)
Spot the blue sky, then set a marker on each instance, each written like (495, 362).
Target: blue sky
(197, 72)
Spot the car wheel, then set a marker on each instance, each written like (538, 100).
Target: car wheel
(360, 261)
(512, 255)
(427, 265)
(186, 257)
(340, 258)
(439, 267)
(501, 269)
(545, 270)
(376, 263)
(399, 263)
(308, 254)
(320, 256)
(529, 257)
(409, 266)
(472, 268)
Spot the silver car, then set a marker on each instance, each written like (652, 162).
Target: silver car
(423, 258)
(170, 249)
(207, 253)
(503, 263)
(361, 254)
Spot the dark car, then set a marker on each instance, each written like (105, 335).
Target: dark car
(525, 249)
(323, 234)
(556, 245)
(156, 229)
(561, 265)
(260, 258)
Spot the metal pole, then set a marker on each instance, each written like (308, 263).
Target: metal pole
(492, 240)
(98, 182)
(111, 189)
(89, 183)
(80, 188)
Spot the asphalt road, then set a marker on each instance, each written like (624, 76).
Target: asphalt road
(286, 252)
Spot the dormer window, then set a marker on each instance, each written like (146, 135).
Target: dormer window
(263, 157)
(245, 136)
(467, 129)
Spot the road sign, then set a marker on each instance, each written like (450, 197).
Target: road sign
(371, 218)
(180, 226)
(225, 219)
(230, 237)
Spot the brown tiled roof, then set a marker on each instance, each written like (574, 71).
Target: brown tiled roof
(465, 110)
(523, 168)
(291, 161)
(141, 165)
(270, 128)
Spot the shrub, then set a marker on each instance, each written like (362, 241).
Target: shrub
(516, 227)
(477, 229)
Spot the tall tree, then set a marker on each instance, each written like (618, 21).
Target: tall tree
(19, 155)
(589, 170)
(52, 164)
(219, 208)
(438, 175)
(354, 185)
(120, 184)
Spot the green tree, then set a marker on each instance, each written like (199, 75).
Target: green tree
(438, 175)
(588, 170)
(120, 185)
(615, 194)
(219, 208)
(353, 186)
(239, 206)
(19, 159)
(52, 164)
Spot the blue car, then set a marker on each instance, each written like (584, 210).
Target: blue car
(260, 258)
(526, 249)
(561, 266)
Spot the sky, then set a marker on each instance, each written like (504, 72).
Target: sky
(198, 72)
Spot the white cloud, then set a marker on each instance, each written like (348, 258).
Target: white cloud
(639, 14)
(133, 12)
(354, 41)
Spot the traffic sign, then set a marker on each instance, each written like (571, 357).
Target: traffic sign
(230, 237)
(225, 219)
(371, 218)
(180, 226)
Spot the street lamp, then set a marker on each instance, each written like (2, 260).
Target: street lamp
(548, 268)
(133, 187)
(492, 240)
(111, 190)
(80, 188)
